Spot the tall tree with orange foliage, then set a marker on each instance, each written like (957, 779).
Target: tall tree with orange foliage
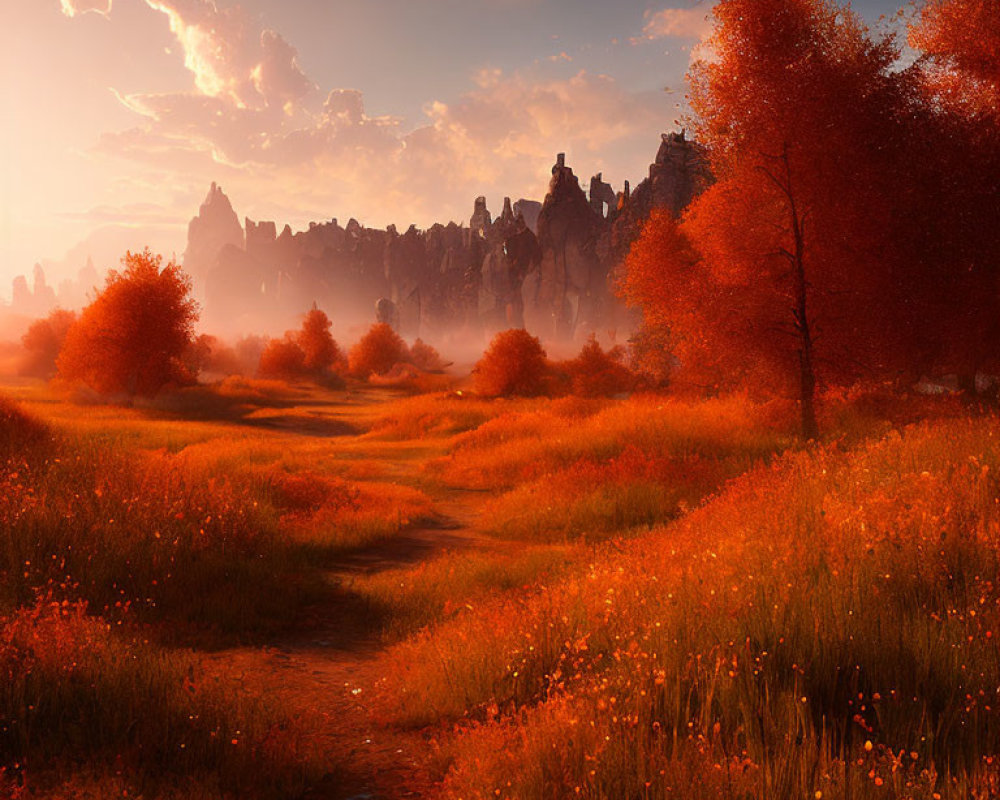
(959, 166)
(131, 338)
(961, 39)
(318, 346)
(43, 342)
(781, 274)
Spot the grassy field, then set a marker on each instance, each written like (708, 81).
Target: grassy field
(648, 598)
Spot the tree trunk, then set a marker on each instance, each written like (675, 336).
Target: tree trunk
(807, 372)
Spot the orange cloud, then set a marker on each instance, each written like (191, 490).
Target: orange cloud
(685, 23)
(230, 58)
(73, 7)
(254, 120)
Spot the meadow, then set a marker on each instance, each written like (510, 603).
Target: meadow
(261, 589)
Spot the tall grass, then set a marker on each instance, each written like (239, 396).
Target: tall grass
(519, 447)
(409, 598)
(592, 500)
(75, 691)
(828, 624)
(439, 415)
(131, 530)
(328, 515)
(224, 535)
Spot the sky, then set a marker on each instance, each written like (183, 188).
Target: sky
(119, 114)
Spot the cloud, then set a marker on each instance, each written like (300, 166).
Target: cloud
(73, 7)
(256, 121)
(685, 23)
(231, 58)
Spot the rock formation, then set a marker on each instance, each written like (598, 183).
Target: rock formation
(678, 175)
(529, 211)
(215, 226)
(548, 265)
(603, 199)
(35, 300)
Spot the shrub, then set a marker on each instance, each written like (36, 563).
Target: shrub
(282, 358)
(210, 354)
(309, 352)
(320, 350)
(43, 341)
(596, 373)
(378, 351)
(425, 357)
(131, 338)
(514, 364)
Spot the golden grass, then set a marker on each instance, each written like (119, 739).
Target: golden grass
(147, 720)
(830, 620)
(410, 598)
(440, 415)
(328, 515)
(593, 500)
(519, 447)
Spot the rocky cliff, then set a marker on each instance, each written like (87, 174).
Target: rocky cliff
(208, 233)
(548, 266)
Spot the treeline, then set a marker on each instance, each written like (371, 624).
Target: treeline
(137, 337)
(853, 231)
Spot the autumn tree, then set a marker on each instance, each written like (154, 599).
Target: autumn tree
(282, 358)
(961, 42)
(43, 341)
(320, 351)
(425, 357)
(513, 364)
(597, 372)
(378, 351)
(310, 351)
(957, 160)
(783, 274)
(131, 338)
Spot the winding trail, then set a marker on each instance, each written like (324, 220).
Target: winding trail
(326, 670)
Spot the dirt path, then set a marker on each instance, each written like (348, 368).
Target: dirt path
(327, 670)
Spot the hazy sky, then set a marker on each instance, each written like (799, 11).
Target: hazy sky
(117, 118)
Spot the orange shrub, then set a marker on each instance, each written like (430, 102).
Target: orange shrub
(43, 341)
(425, 357)
(210, 354)
(282, 358)
(310, 351)
(596, 373)
(514, 363)
(130, 339)
(378, 351)
(320, 350)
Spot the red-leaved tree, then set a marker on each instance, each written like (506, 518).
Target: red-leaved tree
(785, 272)
(43, 341)
(131, 338)
(377, 352)
(320, 352)
(513, 364)
(956, 161)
